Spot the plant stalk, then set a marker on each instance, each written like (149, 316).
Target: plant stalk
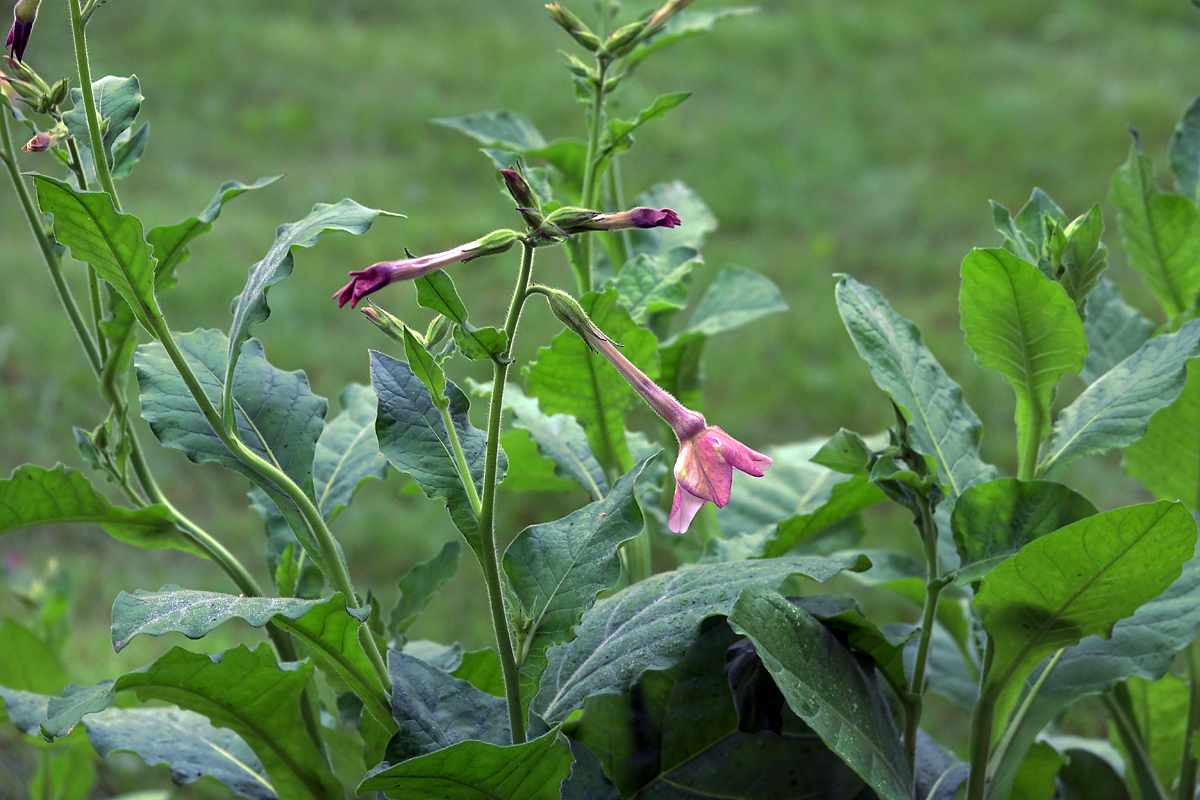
(981, 727)
(1186, 788)
(583, 267)
(933, 589)
(1027, 446)
(89, 105)
(460, 459)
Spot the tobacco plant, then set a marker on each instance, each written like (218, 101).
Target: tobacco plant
(730, 675)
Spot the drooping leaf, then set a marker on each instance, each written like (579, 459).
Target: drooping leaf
(560, 438)
(1167, 458)
(618, 139)
(413, 437)
(250, 308)
(128, 153)
(1114, 330)
(347, 452)
(510, 130)
(650, 624)
(421, 583)
(683, 25)
(842, 614)
(1025, 326)
(118, 101)
(37, 496)
(1183, 153)
(241, 689)
(1115, 411)
(648, 284)
(170, 242)
(941, 423)
(473, 770)
(827, 688)
(556, 569)
(1161, 233)
(568, 378)
(696, 221)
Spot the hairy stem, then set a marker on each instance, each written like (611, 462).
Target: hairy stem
(89, 105)
(460, 459)
(933, 589)
(1186, 789)
(583, 265)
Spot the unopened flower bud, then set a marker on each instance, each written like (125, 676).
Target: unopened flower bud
(574, 26)
(58, 92)
(389, 324)
(622, 40)
(568, 310)
(37, 144)
(527, 200)
(24, 14)
(664, 13)
(575, 220)
(439, 328)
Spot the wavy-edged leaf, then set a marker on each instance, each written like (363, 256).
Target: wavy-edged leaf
(683, 25)
(560, 438)
(650, 625)
(1115, 411)
(1183, 153)
(474, 770)
(648, 284)
(1025, 233)
(37, 496)
(118, 101)
(420, 584)
(347, 452)
(170, 242)
(827, 688)
(1114, 330)
(241, 689)
(556, 569)
(941, 423)
(510, 130)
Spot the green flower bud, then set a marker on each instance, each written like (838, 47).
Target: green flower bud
(574, 27)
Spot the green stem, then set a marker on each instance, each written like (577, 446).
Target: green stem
(1027, 446)
(622, 239)
(1000, 752)
(89, 105)
(981, 727)
(933, 589)
(460, 459)
(583, 267)
(489, 557)
(1187, 772)
(1135, 745)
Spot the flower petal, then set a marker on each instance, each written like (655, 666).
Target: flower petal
(684, 509)
(702, 470)
(739, 455)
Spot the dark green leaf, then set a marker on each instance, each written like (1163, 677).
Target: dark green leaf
(863, 636)
(37, 496)
(118, 101)
(648, 284)
(1115, 410)
(696, 221)
(560, 438)
(474, 770)
(827, 688)
(281, 519)
(557, 569)
(26, 710)
(1161, 233)
(1087, 776)
(128, 153)
(347, 453)
(1114, 330)
(941, 423)
(650, 624)
(939, 773)
(170, 242)
(421, 583)
(683, 25)
(510, 130)
(1160, 710)
(1183, 154)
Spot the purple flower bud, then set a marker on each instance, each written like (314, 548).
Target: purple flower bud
(24, 13)
(574, 220)
(38, 144)
(519, 188)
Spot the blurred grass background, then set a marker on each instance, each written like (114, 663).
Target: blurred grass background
(827, 136)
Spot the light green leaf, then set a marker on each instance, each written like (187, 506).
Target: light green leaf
(436, 291)
(648, 284)
(421, 583)
(1183, 153)
(696, 221)
(510, 130)
(128, 153)
(827, 688)
(1167, 459)
(1025, 234)
(347, 452)
(1161, 233)
(560, 438)
(1114, 330)
(37, 496)
(1079, 256)
(618, 138)
(683, 25)
(118, 101)
(1025, 326)
(425, 368)
(481, 669)
(1160, 710)
(1034, 779)
(29, 665)
(1116, 410)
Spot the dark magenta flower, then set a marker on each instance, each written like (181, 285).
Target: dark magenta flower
(575, 220)
(24, 13)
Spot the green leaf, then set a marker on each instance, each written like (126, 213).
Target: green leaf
(474, 770)
(118, 101)
(510, 130)
(556, 570)
(1160, 709)
(412, 436)
(1167, 458)
(347, 452)
(1025, 326)
(111, 242)
(568, 155)
(1087, 776)
(327, 626)
(568, 378)
(1035, 777)
(696, 221)
(436, 291)
(618, 138)
(941, 423)
(481, 669)
(1114, 330)
(683, 25)
(241, 689)
(128, 153)
(170, 242)
(37, 496)
(280, 520)
(885, 647)
(29, 664)
(425, 368)
(1116, 410)
(1161, 233)
(1080, 256)
(993, 520)
(1025, 235)
(827, 688)
(648, 284)
(1080, 581)
(421, 583)
(1183, 153)
(560, 438)
(528, 471)
(650, 625)
(183, 740)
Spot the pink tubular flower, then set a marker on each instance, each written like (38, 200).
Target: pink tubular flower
(575, 220)
(24, 13)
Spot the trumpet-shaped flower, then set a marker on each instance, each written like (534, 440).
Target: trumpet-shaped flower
(24, 13)
(575, 220)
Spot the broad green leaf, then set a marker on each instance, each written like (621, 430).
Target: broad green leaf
(993, 520)
(886, 648)
(37, 496)
(696, 220)
(1183, 153)
(1025, 326)
(117, 327)
(1080, 581)
(1161, 233)
(419, 586)
(941, 423)
(170, 242)
(1115, 411)
(587, 781)
(412, 436)
(128, 153)
(1167, 458)
(29, 663)
(650, 625)
(683, 25)
(1114, 330)
(478, 343)
(250, 307)
(347, 453)
(568, 155)
(1160, 710)
(475, 770)
(938, 772)
(510, 130)
(560, 438)
(481, 669)
(1034, 779)
(556, 570)
(434, 710)
(568, 378)
(241, 689)
(827, 688)
(26, 710)
(528, 471)
(618, 138)
(436, 291)
(327, 626)
(183, 740)
(648, 284)
(111, 242)
(118, 101)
